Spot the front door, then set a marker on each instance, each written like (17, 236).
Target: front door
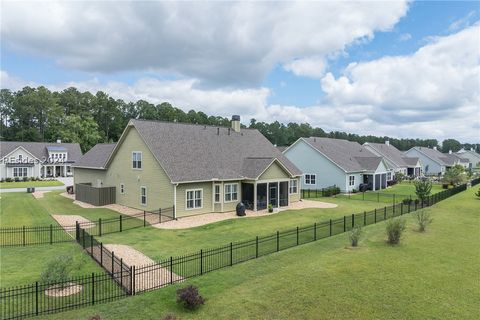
(273, 195)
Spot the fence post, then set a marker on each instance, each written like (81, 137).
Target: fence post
(416, 204)
(121, 272)
(77, 231)
(353, 220)
(394, 199)
(330, 227)
(201, 261)
(401, 208)
(144, 218)
(83, 238)
(93, 288)
(91, 245)
(113, 269)
(120, 223)
(409, 203)
(51, 234)
(315, 231)
(133, 280)
(231, 254)
(171, 270)
(36, 298)
(278, 241)
(23, 236)
(99, 227)
(385, 213)
(344, 223)
(256, 247)
(364, 218)
(375, 213)
(101, 254)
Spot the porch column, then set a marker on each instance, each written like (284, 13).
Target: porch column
(268, 194)
(255, 196)
(374, 178)
(278, 194)
(54, 171)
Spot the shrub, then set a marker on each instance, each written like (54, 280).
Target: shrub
(445, 185)
(58, 270)
(395, 228)
(2, 180)
(423, 189)
(17, 179)
(33, 179)
(189, 297)
(25, 179)
(478, 193)
(399, 177)
(354, 190)
(355, 235)
(8, 179)
(270, 207)
(407, 201)
(170, 317)
(423, 219)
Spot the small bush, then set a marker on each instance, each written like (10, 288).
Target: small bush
(395, 228)
(58, 270)
(33, 179)
(189, 297)
(354, 190)
(355, 235)
(270, 207)
(17, 179)
(25, 179)
(407, 201)
(423, 219)
(170, 317)
(8, 179)
(478, 193)
(2, 180)
(445, 185)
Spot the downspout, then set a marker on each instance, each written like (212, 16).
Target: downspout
(175, 201)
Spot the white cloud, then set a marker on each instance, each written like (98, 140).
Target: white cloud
(309, 67)
(405, 37)
(234, 43)
(463, 22)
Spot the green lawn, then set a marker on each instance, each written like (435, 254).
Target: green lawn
(408, 188)
(432, 275)
(18, 209)
(25, 184)
(159, 244)
(24, 265)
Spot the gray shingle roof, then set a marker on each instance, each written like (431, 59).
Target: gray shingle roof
(345, 154)
(96, 157)
(392, 154)
(451, 159)
(40, 149)
(189, 152)
(435, 155)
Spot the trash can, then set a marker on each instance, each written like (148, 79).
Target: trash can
(240, 209)
(30, 189)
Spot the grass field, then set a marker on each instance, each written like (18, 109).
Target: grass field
(432, 275)
(25, 184)
(24, 265)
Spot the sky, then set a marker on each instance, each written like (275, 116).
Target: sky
(398, 68)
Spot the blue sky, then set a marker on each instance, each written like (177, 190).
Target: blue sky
(222, 58)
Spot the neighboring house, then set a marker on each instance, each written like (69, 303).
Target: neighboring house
(457, 159)
(327, 162)
(37, 159)
(194, 168)
(472, 156)
(395, 159)
(433, 161)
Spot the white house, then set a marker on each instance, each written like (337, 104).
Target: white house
(326, 162)
(395, 159)
(37, 159)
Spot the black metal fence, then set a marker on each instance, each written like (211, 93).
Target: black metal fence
(123, 280)
(378, 197)
(474, 182)
(24, 236)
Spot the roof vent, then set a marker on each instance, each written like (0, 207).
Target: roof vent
(228, 131)
(218, 131)
(449, 151)
(59, 141)
(435, 148)
(236, 123)
(387, 142)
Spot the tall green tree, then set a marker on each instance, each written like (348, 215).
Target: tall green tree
(82, 130)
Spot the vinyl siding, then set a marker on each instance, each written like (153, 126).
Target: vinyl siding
(7, 172)
(181, 206)
(151, 176)
(274, 172)
(311, 161)
(433, 167)
(295, 196)
(92, 176)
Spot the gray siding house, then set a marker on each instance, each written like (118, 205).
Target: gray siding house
(326, 162)
(395, 159)
(471, 155)
(433, 161)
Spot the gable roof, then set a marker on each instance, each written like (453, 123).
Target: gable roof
(452, 159)
(392, 154)
(349, 156)
(189, 152)
(96, 158)
(434, 155)
(40, 149)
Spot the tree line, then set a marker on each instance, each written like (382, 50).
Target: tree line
(38, 114)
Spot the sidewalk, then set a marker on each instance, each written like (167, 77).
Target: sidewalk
(36, 189)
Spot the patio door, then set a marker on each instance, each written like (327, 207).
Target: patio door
(273, 195)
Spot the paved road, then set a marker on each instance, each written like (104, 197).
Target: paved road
(36, 189)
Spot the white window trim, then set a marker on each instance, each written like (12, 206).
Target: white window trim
(122, 188)
(350, 184)
(305, 179)
(20, 170)
(290, 186)
(141, 160)
(186, 199)
(146, 196)
(219, 193)
(225, 193)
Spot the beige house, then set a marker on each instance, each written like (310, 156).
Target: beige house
(194, 168)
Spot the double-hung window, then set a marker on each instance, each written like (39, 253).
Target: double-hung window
(136, 160)
(20, 172)
(194, 199)
(351, 180)
(217, 193)
(122, 188)
(231, 192)
(293, 186)
(310, 179)
(143, 196)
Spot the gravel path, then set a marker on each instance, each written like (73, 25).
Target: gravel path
(39, 194)
(68, 221)
(200, 220)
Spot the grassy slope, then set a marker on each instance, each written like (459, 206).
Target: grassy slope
(24, 265)
(157, 243)
(25, 184)
(408, 188)
(428, 276)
